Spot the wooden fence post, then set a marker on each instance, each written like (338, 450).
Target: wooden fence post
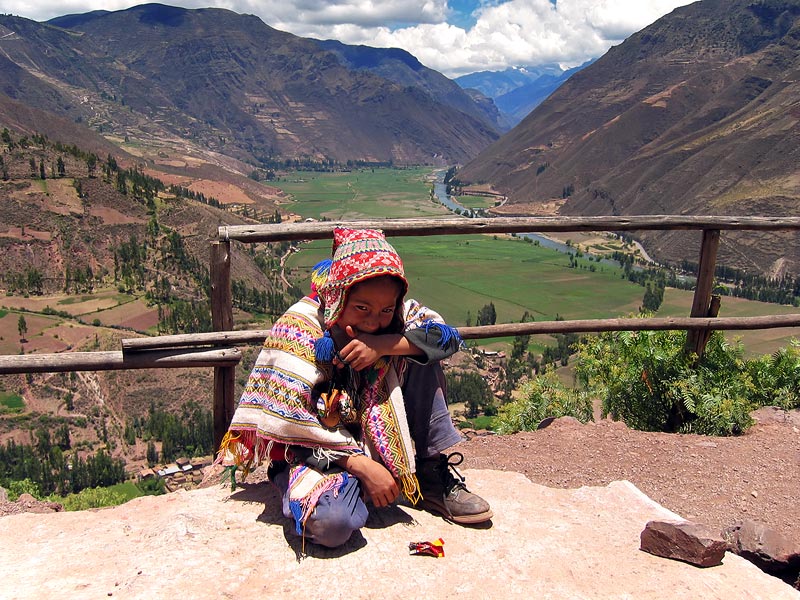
(701, 304)
(222, 320)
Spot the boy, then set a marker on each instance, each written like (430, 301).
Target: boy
(346, 389)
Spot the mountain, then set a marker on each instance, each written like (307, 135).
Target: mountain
(497, 83)
(402, 68)
(518, 90)
(697, 113)
(226, 84)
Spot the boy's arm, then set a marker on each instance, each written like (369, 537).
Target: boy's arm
(364, 349)
(378, 483)
(427, 330)
(434, 343)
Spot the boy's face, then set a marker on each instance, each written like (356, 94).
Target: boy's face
(370, 305)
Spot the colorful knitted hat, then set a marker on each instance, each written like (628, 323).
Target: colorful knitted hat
(358, 254)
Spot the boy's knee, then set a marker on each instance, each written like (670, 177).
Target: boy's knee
(329, 533)
(336, 517)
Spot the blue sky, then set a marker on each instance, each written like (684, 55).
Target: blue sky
(455, 37)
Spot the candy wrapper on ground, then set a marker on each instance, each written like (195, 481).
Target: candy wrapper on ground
(435, 548)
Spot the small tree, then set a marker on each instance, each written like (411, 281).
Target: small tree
(487, 315)
(541, 397)
(152, 454)
(22, 327)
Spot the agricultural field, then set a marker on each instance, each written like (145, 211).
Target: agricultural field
(363, 194)
(458, 275)
(60, 322)
(762, 341)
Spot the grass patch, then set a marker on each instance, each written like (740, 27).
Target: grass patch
(77, 299)
(12, 402)
(128, 490)
(482, 422)
(477, 202)
(362, 194)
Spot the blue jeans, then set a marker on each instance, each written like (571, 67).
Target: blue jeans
(336, 517)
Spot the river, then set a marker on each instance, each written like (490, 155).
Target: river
(440, 191)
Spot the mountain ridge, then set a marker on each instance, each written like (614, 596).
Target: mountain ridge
(230, 84)
(695, 114)
(517, 91)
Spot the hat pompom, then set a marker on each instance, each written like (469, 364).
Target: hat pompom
(324, 349)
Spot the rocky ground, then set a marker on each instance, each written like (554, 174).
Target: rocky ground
(713, 481)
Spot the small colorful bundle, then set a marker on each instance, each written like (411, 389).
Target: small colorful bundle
(435, 548)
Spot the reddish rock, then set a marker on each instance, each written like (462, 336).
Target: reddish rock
(685, 541)
(765, 548)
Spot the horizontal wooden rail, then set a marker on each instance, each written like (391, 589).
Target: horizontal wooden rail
(135, 345)
(212, 338)
(117, 360)
(413, 227)
(632, 324)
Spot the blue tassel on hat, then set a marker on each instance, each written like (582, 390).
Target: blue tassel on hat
(324, 349)
(319, 274)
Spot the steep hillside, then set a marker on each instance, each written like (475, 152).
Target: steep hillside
(697, 113)
(227, 84)
(92, 252)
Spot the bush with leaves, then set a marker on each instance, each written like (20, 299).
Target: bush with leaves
(98, 497)
(23, 486)
(541, 397)
(647, 380)
(776, 377)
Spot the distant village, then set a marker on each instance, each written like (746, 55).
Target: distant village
(184, 473)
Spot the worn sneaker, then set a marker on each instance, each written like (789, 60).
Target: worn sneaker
(444, 491)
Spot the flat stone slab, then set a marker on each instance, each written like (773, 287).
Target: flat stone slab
(543, 543)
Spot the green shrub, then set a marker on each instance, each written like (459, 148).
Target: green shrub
(776, 377)
(647, 380)
(91, 498)
(24, 486)
(541, 397)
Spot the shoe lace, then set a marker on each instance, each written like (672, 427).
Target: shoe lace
(451, 478)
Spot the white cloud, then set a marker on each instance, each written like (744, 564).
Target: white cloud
(512, 33)
(506, 33)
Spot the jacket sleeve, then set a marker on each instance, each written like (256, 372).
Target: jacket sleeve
(426, 329)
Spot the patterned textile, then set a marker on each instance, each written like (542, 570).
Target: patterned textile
(277, 411)
(358, 254)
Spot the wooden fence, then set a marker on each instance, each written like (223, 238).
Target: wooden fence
(217, 349)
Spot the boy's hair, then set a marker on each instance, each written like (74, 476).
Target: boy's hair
(358, 255)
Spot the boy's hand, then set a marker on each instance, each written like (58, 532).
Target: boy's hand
(360, 352)
(379, 484)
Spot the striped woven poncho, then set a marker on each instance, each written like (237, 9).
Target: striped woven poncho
(276, 410)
